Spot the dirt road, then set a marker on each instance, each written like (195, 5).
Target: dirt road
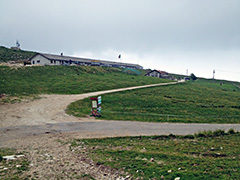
(48, 109)
(47, 115)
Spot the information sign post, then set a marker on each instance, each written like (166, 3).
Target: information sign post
(96, 106)
(99, 104)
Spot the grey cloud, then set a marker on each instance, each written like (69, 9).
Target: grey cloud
(126, 24)
(137, 26)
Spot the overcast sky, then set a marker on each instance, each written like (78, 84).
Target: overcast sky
(177, 36)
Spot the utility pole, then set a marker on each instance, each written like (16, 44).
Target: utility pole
(213, 75)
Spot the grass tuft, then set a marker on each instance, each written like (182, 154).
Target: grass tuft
(215, 133)
(231, 131)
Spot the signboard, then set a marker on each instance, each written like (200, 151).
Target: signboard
(94, 104)
(99, 100)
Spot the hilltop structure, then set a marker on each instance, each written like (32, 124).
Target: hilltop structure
(51, 59)
(17, 47)
(158, 74)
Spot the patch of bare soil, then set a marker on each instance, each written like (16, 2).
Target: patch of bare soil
(51, 158)
(47, 109)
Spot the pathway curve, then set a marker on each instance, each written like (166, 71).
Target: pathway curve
(49, 108)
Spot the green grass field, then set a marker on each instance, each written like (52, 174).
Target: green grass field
(207, 155)
(66, 80)
(198, 102)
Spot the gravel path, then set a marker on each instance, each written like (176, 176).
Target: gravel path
(106, 128)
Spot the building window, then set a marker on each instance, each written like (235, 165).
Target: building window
(38, 61)
(33, 62)
(51, 61)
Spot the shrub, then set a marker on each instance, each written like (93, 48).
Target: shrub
(201, 134)
(1, 158)
(188, 137)
(231, 131)
(172, 136)
(215, 133)
(193, 77)
(219, 132)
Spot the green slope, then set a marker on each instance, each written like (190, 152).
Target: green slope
(196, 102)
(67, 79)
(7, 54)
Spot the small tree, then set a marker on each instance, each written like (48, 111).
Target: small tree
(193, 77)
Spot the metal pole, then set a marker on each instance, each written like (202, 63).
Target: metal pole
(213, 74)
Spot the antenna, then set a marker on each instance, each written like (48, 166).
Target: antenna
(213, 74)
(17, 44)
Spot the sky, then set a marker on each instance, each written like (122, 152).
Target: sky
(177, 36)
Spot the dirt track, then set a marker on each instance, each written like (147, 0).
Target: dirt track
(48, 109)
(47, 115)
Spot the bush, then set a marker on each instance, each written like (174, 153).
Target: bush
(188, 137)
(231, 131)
(219, 132)
(215, 133)
(1, 158)
(201, 134)
(193, 77)
(172, 136)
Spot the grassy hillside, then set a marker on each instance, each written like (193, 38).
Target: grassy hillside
(7, 54)
(66, 79)
(198, 102)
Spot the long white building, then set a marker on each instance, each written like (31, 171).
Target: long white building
(51, 59)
